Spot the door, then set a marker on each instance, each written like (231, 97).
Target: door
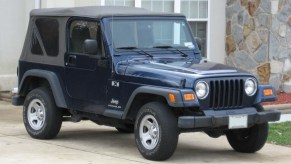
(86, 74)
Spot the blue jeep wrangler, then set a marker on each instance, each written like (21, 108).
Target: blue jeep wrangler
(138, 71)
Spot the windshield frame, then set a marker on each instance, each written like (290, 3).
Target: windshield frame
(108, 20)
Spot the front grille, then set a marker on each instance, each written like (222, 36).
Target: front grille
(226, 93)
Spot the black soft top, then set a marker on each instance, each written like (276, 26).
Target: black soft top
(97, 12)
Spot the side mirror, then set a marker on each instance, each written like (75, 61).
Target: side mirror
(90, 47)
(199, 42)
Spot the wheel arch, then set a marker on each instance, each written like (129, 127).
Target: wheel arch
(35, 78)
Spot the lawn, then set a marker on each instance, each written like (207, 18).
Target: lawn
(280, 134)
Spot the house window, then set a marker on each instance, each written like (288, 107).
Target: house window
(158, 5)
(119, 2)
(195, 9)
(196, 12)
(199, 29)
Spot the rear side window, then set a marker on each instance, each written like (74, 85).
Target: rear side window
(48, 29)
(35, 46)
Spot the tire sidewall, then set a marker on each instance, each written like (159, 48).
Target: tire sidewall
(142, 149)
(52, 122)
(168, 131)
(29, 98)
(257, 138)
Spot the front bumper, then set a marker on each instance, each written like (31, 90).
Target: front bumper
(213, 119)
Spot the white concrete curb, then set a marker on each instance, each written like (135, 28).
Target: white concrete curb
(278, 106)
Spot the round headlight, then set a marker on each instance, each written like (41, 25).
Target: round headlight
(250, 87)
(202, 89)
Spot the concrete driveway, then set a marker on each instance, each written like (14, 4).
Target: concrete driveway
(88, 143)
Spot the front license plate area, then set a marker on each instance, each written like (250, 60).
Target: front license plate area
(237, 121)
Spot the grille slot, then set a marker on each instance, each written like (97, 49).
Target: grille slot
(226, 93)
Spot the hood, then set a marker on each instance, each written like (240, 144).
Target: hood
(173, 70)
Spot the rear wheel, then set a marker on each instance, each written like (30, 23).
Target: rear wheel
(41, 117)
(156, 131)
(248, 140)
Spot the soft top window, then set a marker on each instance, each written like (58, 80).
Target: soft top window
(80, 30)
(48, 29)
(35, 46)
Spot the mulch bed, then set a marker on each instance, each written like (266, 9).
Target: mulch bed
(283, 98)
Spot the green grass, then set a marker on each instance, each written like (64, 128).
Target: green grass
(280, 134)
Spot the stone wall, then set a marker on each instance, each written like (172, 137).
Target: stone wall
(280, 44)
(259, 38)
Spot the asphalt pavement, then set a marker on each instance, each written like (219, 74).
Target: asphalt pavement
(88, 143)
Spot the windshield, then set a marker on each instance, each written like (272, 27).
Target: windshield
(150, 33)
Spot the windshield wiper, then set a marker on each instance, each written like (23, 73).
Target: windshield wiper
(135, 48)
(126, 48)
(168, 46)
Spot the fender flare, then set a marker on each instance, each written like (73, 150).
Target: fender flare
(164, 92)
(54, 83)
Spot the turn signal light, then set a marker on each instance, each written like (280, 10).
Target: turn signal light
(268, 92)
(172, 98)
(189, 97)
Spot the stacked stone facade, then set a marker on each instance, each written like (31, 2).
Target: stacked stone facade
(258, 39)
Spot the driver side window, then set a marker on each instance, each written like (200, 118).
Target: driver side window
(80, 31)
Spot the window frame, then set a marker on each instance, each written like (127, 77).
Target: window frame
(103, 3)
(163, 1)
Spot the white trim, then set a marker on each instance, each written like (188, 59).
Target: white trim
(208, 30)
(177, 6)
(198, 20)
(198, 2)
(37, 4)
(137, 3)
(102, 2)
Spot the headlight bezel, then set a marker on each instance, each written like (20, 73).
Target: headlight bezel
(207, 89)
(255, 86)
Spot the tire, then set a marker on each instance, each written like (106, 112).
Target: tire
(248, 140)
(158, 124)
(259, 107)
(44, 122)
(126, 129)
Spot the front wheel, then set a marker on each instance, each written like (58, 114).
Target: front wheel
(42, 119)
(248, 140)
(156, 131)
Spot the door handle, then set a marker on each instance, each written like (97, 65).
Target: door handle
(72, 60)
